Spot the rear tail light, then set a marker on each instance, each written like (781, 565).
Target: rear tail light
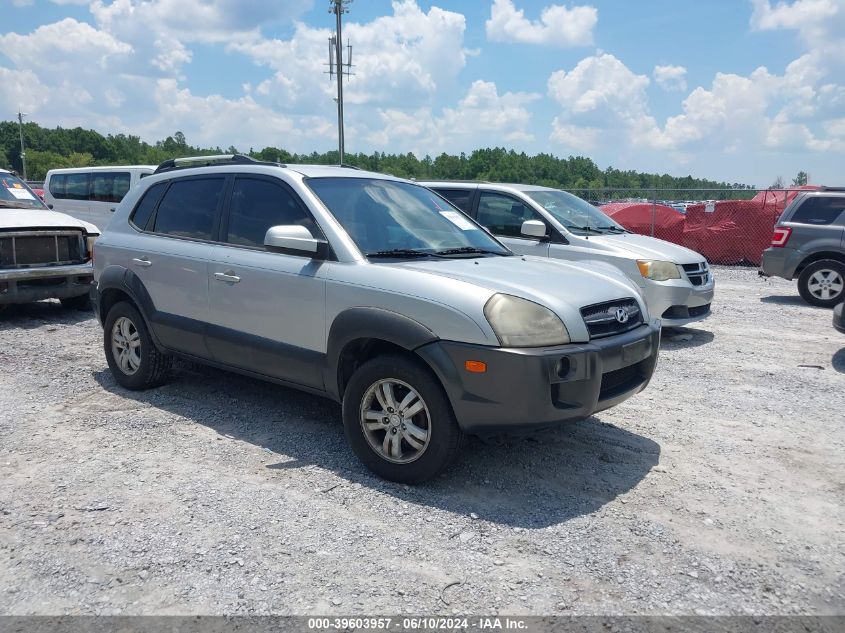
(781, 236)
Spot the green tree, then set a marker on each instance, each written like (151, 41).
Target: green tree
(801, 179)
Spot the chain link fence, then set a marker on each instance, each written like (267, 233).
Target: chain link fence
(727, 226)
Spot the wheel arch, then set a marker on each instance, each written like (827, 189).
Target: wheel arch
(819, 256)
(118, 284)
(360, 334)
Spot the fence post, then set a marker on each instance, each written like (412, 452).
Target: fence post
(653, 209)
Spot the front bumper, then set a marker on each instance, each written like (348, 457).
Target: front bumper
(839, 317)
(679, 302)
(25, 285)
(538, 387)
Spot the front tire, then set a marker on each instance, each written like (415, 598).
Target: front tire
(822, 283)
(398, 420)
(133, 358)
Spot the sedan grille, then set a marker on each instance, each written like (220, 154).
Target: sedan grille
(698, 274)
(612, 317)
(29, 249)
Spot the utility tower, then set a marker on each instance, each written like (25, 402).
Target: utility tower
(338, 67)
(23, 149)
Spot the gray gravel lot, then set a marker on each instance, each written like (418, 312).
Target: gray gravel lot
(717, 490)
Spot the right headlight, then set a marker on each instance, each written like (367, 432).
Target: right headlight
(521, 323)
(657, 270)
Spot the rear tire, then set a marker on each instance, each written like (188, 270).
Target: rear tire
(398, 420)
(133, 358)
(822, 283)
(81, 303)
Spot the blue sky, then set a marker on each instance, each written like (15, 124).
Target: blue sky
(734, 90)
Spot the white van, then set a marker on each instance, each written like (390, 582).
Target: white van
(91, 193)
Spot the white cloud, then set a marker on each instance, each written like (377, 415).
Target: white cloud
(558, 25)
(64, 47)
(481, 116)
(404, 58)
(21, 89)
(671, 78)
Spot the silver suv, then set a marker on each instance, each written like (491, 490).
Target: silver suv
(367, 289)
(809, 243)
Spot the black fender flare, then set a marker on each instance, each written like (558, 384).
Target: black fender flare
(116, 277)
(370, 323)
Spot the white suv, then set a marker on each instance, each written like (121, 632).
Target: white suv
(677, 282)
(367, 289)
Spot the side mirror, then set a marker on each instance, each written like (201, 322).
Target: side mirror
(293, 239)
(533, 228)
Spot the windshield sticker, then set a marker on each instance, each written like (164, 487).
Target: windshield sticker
(20, 193)
(458, 220)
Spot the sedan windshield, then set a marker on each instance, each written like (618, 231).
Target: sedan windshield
(15, 194)
(391, 219)
(576, 215)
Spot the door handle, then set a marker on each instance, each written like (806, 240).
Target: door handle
(144, 262)
(229, 276)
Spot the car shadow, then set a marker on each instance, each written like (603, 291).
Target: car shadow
(684, 337)
(838, 361)
(32, 315)
(785, 300)
(530, 481)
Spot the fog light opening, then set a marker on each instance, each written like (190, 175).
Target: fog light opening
(564, 366)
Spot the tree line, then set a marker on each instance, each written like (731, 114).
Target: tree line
(76, 147)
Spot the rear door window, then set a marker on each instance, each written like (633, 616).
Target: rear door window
(76, 187)
(459, 197)
(820, 210)
(109, 186)
(189, 208)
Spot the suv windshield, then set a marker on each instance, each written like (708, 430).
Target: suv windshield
(386, 218)
(576, 215)
(15, 194)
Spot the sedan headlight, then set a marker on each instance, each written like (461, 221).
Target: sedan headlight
(521, 323)
(657, 270)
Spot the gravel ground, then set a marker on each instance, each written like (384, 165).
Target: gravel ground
(718, 490)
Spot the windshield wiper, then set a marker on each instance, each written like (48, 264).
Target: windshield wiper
(399, 253)
(612, 228)
(470, 250)
(592, 229)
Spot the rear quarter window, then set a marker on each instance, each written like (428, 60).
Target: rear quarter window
(820, 210)
(144, 210)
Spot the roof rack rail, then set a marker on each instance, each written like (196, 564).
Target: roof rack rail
(348, 166)
(215, 160)
(830, 189)
(457, 181)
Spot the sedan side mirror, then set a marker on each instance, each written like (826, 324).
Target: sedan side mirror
(533, 228)
(294, 239)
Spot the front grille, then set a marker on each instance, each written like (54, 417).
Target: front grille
(602, 320)
(698, 274)
(26, 249)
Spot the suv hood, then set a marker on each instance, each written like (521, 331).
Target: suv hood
(636, 246)
(36, 218)
(563, 287)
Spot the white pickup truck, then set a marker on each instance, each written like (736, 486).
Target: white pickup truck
(43, 254)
